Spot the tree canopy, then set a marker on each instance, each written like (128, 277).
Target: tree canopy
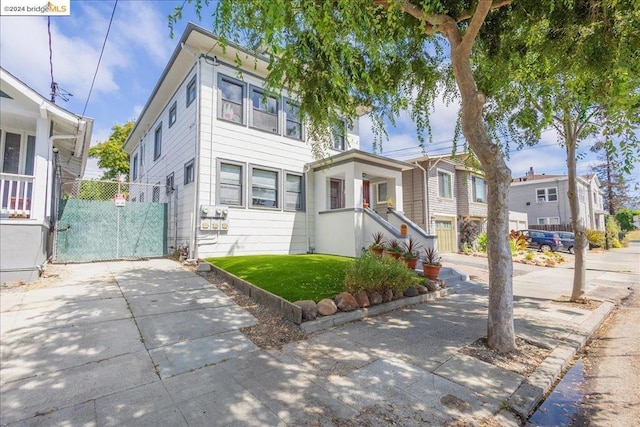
(111, 157)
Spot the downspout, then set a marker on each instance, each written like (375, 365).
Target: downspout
(305, 171)
(427, 220)
(194, 240)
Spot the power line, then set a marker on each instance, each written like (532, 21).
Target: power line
(100, 58)
(53, 83)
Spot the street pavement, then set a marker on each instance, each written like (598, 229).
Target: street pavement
(150, 343)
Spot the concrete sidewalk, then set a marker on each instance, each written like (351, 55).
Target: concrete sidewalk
(148, 343)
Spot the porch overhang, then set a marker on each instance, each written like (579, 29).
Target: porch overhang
(358, 156)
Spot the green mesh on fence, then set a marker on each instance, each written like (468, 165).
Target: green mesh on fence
(97, 230)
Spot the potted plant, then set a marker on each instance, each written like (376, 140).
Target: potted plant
(431, 265)
(394, 249)
(390, 204)
(410, 256)
(377, 247)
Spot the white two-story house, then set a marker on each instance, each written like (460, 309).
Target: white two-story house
(239, 165)
(41, 143)
(545, 199)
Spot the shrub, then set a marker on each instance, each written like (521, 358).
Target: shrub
(468, 233)
(595, 238)
(467, 249)
(482, 242)
(624, 217)
(613, 231)
(373, 274)
(529, 256)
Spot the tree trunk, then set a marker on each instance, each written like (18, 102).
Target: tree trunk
(500, 328)
(580, 240)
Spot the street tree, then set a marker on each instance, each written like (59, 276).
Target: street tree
(572, 67)
(111, 157)
(385, 55)
(615, 183)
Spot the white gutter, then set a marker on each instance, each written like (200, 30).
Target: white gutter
(305, 171)
(196, 163)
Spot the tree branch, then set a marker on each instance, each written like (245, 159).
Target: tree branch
(483, 8)
(495, 5)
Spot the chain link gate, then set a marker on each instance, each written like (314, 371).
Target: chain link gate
(108, 220)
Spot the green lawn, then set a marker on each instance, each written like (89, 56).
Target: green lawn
(293, 277)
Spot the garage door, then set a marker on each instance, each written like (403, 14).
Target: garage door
(446, 236)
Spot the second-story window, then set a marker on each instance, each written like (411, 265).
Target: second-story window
(264, 111)
(444, 185)
(231, 105)
(173, 114)
(338, 137)
(191, 91)
(547, 194)
(479, 189)
(134, 168)
(189, 172)
(293, 119)
(157, 142)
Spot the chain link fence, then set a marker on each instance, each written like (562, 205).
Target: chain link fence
(109, 220)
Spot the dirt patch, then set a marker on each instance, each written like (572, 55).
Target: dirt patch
(585, 304)
(523, 361)
(272, 331)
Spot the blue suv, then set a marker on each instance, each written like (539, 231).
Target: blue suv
(567, 239)
(543, 240)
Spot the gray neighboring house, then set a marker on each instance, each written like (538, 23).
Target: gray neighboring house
(41, 143)
(544, 198)
(456, 190)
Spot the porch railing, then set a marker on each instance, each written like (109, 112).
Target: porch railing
(16, 195)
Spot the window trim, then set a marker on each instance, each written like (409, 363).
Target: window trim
(189, 178)
(303, 192)
(252, 109)
(157, 142)
(243, 182)
(378, 199)
(278, 172)
(450, 175)
(174, 109)
(474, 197)
(191, 83)
(290, 101)
(231, 80)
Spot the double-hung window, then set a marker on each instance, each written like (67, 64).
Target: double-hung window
(336, 193)
(191, 91)
(264, 188)
(294, 193)
(173, 114)
(134, 168)
(155, 196)
(338, 137)
(444, 185)
(230, 181)
(479, 189)
(157, 142)
(231, 105)
(293, 119)
(547, 194)
(189, 172)
(264, 111)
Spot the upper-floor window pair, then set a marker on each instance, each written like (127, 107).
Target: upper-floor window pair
(547, 194)
(264, 109)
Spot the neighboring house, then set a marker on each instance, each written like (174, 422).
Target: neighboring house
(544, 198)
(240, 166)
(40, 144)
(455, 191)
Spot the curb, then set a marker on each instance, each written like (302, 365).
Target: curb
(532, 390)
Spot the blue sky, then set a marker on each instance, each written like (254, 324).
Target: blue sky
(136, 52)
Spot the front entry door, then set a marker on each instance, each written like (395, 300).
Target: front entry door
(365, 193)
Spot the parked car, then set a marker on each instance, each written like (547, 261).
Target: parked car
(543, 240)
(566, 238)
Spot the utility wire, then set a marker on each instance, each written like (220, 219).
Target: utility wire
(100, 58)
(53, 83)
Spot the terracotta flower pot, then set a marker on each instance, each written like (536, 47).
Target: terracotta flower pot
(411, 262)
(431, 271)
(395, 255)
(376, 251)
